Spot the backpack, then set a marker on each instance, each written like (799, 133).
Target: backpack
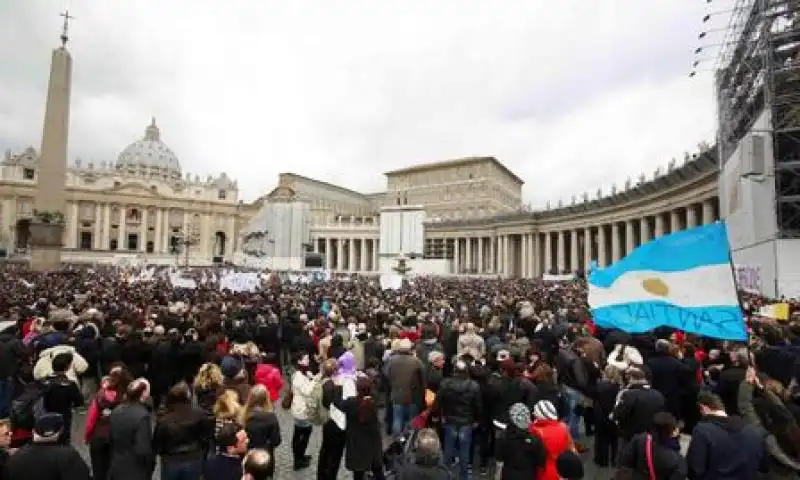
(316, 412)
(29, 406)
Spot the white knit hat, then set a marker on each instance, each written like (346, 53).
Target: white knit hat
(544, 410)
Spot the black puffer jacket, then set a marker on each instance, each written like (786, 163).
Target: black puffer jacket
(182, 435)
(459, 401)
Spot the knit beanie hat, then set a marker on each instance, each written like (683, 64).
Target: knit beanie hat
(520, 415)
(544, 410)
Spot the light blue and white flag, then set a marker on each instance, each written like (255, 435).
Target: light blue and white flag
(683, 280)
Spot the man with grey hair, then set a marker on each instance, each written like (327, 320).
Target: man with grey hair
(427, 461)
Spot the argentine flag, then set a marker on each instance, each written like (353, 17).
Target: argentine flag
(683, 280)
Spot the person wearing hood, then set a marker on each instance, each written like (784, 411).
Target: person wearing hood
(44, 366)
(427, 459)
(522, 454)
(724, 446)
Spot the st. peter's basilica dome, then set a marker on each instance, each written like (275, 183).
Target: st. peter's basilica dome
(150, 153)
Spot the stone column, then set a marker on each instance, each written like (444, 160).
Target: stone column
(230, 236)
(492, 259)
(72, 225)
(630, 243)
(167, 233)
(456, 253)
(352, 260)
(328, 254)
(674, 221)
(507, 255)
(537, 255)
(143, 232)
(122, 244)
(362, 258)
(691, 216)
(548, 252)
(376, 254)
(562, 252)
(659, 226)
(97, 236)
(480, 255)
(587, 248)
(157, 246)
(468, 254)
(523, 257)
(500, 251)
(340, 254)
(601, 245)
(106, 240)
(616, 249)
(708, 212)
(573, 251)
(644, 231)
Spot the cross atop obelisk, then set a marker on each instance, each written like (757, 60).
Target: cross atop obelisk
(65, 29)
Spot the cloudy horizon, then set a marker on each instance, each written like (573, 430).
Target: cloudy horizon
(569, 98)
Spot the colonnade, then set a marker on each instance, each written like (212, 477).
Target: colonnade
(533, 251)
(349, 254)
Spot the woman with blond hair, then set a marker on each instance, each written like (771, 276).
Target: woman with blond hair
(226, 410)
(207, 385)
(260, 422)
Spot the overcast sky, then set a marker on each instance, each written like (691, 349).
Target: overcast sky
(568, 97)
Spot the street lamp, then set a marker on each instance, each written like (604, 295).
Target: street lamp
(185, 239)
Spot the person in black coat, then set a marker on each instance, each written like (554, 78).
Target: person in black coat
(61, 394)
(261, 423)
(46, 457)
(606, 439)
(664, 450)
(724, 446)
(636, 406)
(132, 456)
(522, 454)
(363, 433)
(668, 375)
(182, 434)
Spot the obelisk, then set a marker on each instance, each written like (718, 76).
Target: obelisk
(47, 226)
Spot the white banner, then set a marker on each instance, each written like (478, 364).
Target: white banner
(240, 281)
(748, 278)
(391, 281)
(558, 278)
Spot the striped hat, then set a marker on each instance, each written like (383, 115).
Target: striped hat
(544, 410)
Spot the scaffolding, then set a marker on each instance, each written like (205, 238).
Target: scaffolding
(759, 71)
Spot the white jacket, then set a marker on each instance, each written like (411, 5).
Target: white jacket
(301, 390)
(44, 366)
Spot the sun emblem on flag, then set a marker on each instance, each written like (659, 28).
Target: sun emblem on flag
(655, 286)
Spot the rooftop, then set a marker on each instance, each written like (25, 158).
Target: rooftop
(455, 163)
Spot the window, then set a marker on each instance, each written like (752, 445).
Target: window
(117, 184)
(221, 194)
(86, 241)
(150, 247)
(28, 173)
(112, 244)
(133, 241)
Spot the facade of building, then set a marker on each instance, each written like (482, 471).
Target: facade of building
(141, 206)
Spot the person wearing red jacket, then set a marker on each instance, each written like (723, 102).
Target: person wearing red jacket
(270, 377)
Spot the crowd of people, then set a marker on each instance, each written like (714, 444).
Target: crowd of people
(440, 379)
